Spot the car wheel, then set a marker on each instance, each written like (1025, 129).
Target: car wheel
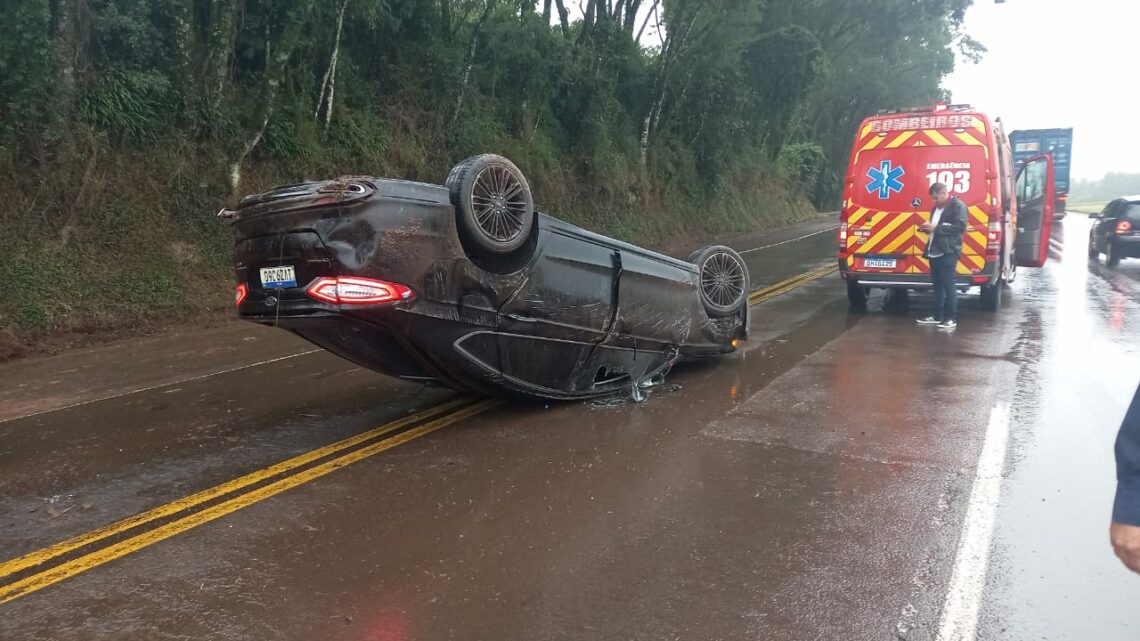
(857, 294)
(723, 282)
(1111, 254)
(991, 297)
(493, 204)
(1093, 253)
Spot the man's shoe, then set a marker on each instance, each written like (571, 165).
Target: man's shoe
(929, 320)
(948, 325)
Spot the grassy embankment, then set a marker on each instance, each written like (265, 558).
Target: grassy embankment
(1086, 208)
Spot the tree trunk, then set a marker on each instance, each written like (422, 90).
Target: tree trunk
(588, 20)
(222, 40)
(631, 9)
(563, 17)
(469, 62)
(183, 14)
(445, 17)
(673, 48)
(651, 14)
(330, 74)
(277, 59)
(546, 10)
(64, 34)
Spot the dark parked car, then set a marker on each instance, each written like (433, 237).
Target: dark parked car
(466, 286)
(1116, 231)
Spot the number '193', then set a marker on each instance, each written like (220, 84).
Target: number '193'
(956, 182)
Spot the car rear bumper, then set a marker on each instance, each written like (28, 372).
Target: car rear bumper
(1127, 246)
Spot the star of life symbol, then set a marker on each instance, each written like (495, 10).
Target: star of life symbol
(885, 179)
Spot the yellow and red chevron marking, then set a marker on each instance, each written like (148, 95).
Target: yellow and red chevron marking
(896, 233)
(887, 233)
(975, 136)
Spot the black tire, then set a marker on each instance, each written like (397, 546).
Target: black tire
(1093, 253)
(494, 207)
(991, 296)
(1111, 254)
(723, 283)
(857, 294)
(898, 300)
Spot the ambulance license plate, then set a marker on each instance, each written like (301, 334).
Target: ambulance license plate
(278, 277)
(879, 263)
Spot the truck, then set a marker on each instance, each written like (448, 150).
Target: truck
(1032, 142)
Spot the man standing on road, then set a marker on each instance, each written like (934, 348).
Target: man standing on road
(1125, 529)
(946, 226)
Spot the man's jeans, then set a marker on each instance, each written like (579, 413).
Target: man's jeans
(942, 271)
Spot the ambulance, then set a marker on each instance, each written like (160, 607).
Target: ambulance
(896, 157)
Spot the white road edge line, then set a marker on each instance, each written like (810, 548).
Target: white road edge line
(159, 386)
(790, 240)
(959, 620)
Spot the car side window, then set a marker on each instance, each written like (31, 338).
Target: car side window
(1113, 210)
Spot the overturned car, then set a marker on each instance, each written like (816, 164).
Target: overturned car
(465, 285)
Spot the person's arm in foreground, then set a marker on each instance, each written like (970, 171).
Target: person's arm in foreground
(1125, 529)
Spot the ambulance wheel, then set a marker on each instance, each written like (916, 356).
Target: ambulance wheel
(991, 297)
(857, 294)
(897, 300)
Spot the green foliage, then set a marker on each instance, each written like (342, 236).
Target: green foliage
(132, 106)
(742, 109)
(26, 69)
(802, 163)
(1111, 186)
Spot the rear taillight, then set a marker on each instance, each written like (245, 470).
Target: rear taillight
(1123, 227)
(349, 290)
(993, 239)
(240, 292)
(843, 234)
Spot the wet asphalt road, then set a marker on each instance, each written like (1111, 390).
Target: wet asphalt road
(815, 486)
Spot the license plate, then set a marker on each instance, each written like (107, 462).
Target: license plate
(278, 277)
(879, 263)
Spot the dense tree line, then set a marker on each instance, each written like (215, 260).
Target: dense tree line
(1112, 185)
(725, 84)
(124, 124)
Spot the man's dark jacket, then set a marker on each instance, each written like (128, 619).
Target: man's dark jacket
(947, 236)
(1127, 507)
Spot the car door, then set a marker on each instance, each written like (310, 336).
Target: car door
(549, 328)
(1036, 196)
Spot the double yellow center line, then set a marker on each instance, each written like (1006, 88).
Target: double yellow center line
(67, 558)
(44, 567)
(785, 286)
